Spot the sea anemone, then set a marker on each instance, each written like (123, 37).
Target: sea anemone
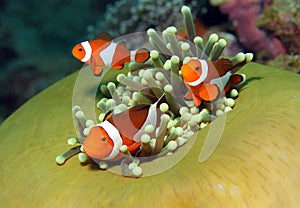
(181, 119)
(255, 165)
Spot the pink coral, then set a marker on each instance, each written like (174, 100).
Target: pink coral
(244, 15)
(281, 19)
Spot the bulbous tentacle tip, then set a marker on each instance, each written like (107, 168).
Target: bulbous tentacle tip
(185, 9)
(216, 2)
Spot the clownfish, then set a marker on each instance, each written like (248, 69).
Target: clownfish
(105, 52)
(104, 140)
(207, 80)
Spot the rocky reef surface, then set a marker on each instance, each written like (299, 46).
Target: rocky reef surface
(281, 19)
(269, 28)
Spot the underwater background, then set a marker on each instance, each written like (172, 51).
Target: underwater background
(36, 39)
(257, 161)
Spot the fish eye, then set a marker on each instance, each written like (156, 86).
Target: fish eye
(103, 139)
(197, 68)
(80, 49)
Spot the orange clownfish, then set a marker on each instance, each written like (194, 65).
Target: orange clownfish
(207, 80)
(104, 140)
(105, 52)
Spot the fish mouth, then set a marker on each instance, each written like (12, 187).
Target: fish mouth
(85, 149)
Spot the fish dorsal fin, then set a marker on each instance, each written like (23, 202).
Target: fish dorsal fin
(223, 66)
(108, 115)
(138, 114)
(104, 36)
(123, 44)
(138, 108)
(133, 112)
(130, 121)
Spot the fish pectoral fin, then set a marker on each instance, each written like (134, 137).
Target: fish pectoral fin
(209, 92)
(96, 65)
(188, 95)
(108, 115)
(223, 66)
(97, 70)
(118, 67)
(132, 148)
(197, 101)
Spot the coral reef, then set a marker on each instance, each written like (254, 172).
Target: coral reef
(282, 20)
(124, 17)
(288, 62)
(244, 15)
(270, 28)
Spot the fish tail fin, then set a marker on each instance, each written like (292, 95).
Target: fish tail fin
(237, 79)
(141, 55)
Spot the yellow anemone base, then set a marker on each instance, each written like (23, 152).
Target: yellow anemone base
(256, 164)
